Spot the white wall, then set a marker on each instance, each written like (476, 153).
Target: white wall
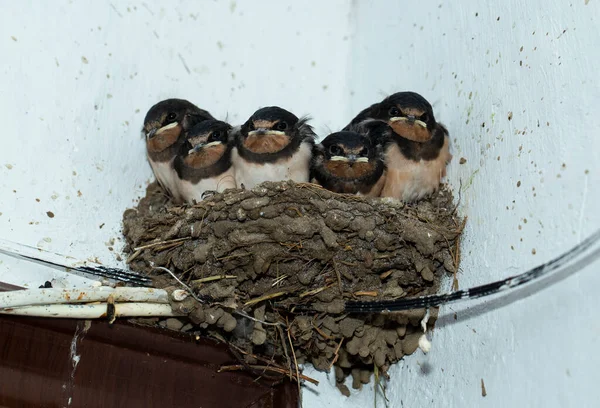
(330, 60)
(79, 77)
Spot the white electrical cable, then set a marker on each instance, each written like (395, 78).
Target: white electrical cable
(52, 296)
(94, 311)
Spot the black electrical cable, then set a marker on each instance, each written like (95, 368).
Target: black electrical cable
(483, 290)
(488, 289)
(117, 274)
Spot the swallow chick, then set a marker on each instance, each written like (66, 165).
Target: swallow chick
(349, 162)
(203, 164)
(273, 145)
(418, 151)
(164, 128)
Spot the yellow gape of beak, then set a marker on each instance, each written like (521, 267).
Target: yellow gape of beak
(405, 119)
(266, 132)
(201, 146)
(339, 158)
(345, 159)
(167, 127)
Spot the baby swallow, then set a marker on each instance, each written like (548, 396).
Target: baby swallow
(203, 163)
(349, 162)
(273, 145)
(417, 153)
(164, 127)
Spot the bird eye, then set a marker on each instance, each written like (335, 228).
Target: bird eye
(281, 125)
(214, 136)
(394, 111)
(424, 117)
(365, 152)
(335, 150)
(172, 116)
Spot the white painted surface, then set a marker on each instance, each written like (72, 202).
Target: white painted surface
(78, 78)
(330, 60)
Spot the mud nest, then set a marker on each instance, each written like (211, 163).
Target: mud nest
(290, 255)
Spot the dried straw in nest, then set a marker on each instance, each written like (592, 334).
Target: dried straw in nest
(271, 268)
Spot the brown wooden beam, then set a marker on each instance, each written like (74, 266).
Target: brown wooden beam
(122, 365)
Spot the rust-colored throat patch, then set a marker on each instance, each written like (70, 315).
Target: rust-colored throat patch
(164, 139)
(410, 130)
(269, 142)
(205, 157)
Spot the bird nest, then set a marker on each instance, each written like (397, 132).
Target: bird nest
(271, 269)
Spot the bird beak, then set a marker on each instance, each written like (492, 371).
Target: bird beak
(410, 120)
(151, 134)
(196, 148)
(352, 158)
(155, 131)
(265, 132)
(201, 146)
